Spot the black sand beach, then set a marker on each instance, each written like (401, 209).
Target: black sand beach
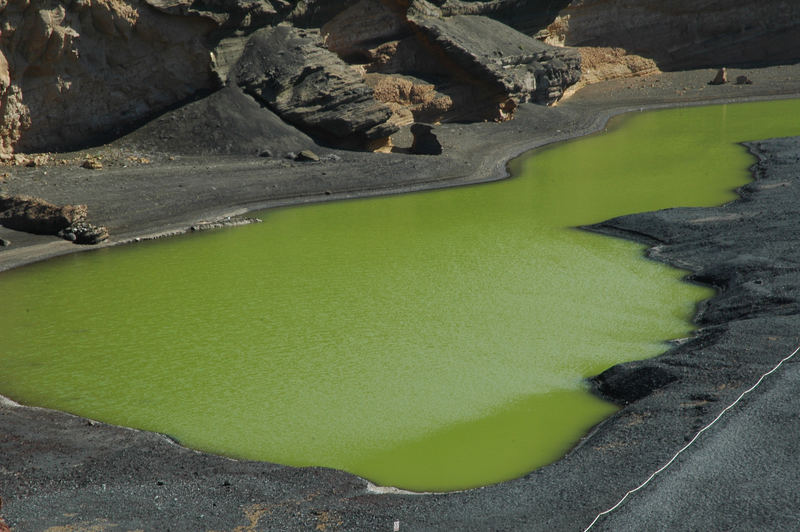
(61, 470)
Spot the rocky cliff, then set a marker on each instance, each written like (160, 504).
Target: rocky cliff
(346, 72)
(82, 71)
(684, 33)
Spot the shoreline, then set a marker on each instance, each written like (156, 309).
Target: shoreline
(459, 166)
(339, 494)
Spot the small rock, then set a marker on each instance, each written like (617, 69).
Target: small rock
(4, 242)
(265, 153)
(92, 163)
(290, 155)
(307, 155)
(721, 78)
(743, 80)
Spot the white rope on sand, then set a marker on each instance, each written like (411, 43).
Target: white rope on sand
(669, 463)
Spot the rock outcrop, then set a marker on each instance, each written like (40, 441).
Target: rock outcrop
(519, 68)
(477, 67)
(684, 33)
(104, 66)
(94, 65)
(348, 72)
(35, 215)
(290, 71)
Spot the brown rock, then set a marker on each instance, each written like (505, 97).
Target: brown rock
(119, 58)
(35, 215)
(600, 63)
(423, 102)
(743, 80)
(92, 163)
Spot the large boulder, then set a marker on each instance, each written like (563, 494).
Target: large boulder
(35, 215)
(520, 67)
(460, 67)
(291, 72)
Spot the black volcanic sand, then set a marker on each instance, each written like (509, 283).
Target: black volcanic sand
(60, 470)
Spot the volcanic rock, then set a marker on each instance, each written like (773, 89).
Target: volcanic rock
(516, 65)
(680, 34)
(84, 233)
(35, 215)
(290, 71)
(97, 66)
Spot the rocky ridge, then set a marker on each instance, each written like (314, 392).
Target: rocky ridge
(683, 34)
(105, 66)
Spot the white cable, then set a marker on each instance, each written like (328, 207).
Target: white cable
(662, 468)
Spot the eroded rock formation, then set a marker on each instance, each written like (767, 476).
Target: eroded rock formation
(684, 33)
(71, 72)
(451, 65)
(103, 66)
(348, 72)
(290, 71)
(35, 215)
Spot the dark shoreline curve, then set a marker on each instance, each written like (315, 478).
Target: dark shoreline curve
(59, 469)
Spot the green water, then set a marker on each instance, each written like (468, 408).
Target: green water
(432, 341)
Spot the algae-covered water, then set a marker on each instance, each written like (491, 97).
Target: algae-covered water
(432, 341)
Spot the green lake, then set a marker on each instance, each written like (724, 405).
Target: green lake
(431, 341)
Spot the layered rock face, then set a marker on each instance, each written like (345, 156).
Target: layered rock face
(74, 71)
(346, 72)
(78, 72)
(290, 71)
(440, 64)
(685, 33)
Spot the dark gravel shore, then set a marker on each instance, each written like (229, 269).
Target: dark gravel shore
(61, 470)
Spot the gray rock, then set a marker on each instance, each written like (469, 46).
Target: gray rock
(743, 80)
(4, 242)
(291, 72)
(513, 64)
(84, 233)
(307, 155)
